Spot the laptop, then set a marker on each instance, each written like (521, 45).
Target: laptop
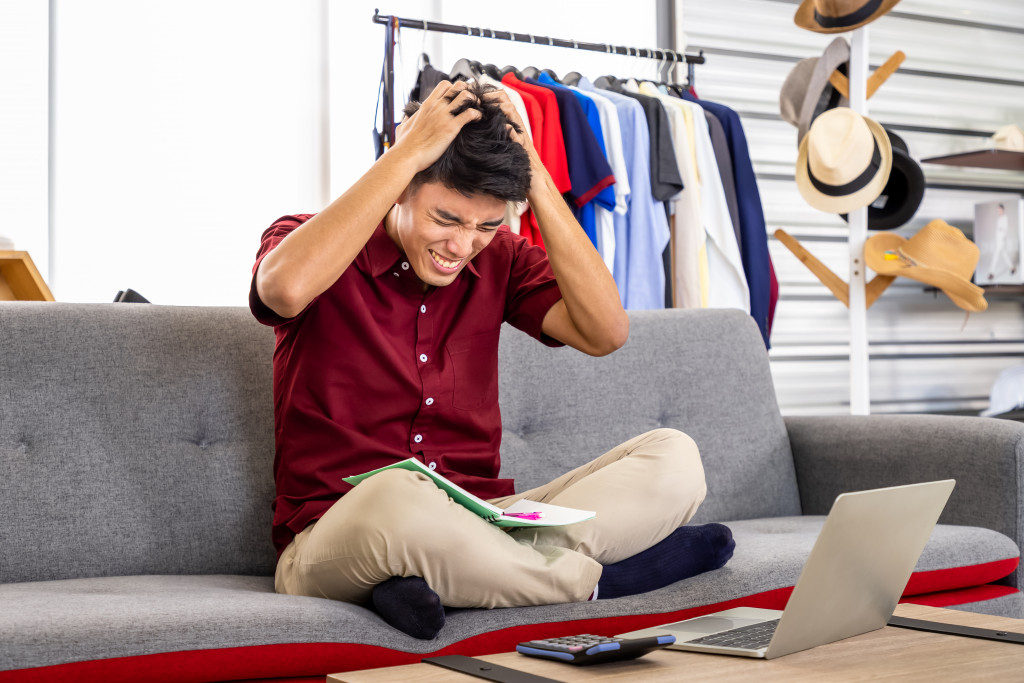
(850, 584)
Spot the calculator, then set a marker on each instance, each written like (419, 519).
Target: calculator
(590, 649)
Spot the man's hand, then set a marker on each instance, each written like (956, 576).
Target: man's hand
(590, 316)
(500, 97)
(427, 134)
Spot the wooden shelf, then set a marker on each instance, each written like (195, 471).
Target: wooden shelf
(19, 279)
(985, 158)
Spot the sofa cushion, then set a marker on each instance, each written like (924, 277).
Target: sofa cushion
(561, 409)
(134, 440)
(225, 627)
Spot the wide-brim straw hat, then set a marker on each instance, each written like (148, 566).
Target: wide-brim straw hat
(844, 161)
(839, 16)
(903, 192)
(938, 255)
(807, 93)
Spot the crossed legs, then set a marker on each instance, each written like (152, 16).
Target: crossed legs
(398, 524)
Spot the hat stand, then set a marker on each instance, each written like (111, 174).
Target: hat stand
(839, 288)
(860, 402)
(875, 81)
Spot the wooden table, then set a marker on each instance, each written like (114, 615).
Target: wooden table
(889, 653)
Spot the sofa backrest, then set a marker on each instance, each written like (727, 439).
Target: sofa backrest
(703, 372)
(138, 439)
(134, 439)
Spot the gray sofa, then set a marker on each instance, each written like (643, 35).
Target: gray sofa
(136, 445)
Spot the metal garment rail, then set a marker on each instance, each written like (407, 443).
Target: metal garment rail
(392, 23)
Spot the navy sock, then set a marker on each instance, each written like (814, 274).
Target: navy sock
(686, 552)
(408, 604)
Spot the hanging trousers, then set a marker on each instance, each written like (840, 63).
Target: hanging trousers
(398, 523)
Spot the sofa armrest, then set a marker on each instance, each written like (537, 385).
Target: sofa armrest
(852, 453)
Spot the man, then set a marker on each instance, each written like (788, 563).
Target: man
(387, 307)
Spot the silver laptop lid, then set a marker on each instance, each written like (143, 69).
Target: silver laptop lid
(859, 565)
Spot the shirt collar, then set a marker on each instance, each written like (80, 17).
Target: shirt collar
(382, 253)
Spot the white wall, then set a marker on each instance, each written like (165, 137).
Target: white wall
(182, 130)
(23, 126)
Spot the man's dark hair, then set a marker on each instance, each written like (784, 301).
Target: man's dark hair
(483, 158)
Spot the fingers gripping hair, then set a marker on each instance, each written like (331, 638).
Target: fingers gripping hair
(483, 158)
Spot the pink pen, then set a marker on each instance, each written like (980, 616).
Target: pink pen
(525, 515)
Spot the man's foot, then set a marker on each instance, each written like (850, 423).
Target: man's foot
(408, 604)
(686, 552)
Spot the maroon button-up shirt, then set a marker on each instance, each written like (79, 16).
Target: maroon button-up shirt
(375, 371)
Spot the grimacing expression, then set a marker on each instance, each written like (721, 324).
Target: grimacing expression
(440, 230)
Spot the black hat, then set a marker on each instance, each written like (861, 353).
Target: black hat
(902, 194)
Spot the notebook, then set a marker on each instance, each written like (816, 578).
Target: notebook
(850, 584)
(522, 513)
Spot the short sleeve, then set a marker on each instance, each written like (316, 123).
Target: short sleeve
(589, 172)
(666, 181)
(272, 236)
(532, 289)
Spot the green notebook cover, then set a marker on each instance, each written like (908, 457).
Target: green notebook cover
(551, 515)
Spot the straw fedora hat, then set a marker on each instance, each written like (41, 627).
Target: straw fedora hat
(938, 255)
(903, 192)
(807, 93)
(844, 161)
(839, 16)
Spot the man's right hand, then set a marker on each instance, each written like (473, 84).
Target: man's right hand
(313, 256)
(427, 134)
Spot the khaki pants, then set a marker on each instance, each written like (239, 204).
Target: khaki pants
(398, 523)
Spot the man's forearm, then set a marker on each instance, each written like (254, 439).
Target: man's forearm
(313, 257)
(588, 289)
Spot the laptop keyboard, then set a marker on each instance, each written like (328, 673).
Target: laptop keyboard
(752, 637)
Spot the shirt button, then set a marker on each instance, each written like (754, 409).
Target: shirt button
(432, 465)
(430, 401)
(423, 358)
(405, 265)
(423, 309)
(418, 438)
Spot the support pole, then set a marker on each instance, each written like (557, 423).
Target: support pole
(389, 83)
(860, 401)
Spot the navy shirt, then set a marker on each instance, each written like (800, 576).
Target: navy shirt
(589, 170)
(754, 242)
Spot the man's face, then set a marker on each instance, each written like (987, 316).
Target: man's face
(441, 230)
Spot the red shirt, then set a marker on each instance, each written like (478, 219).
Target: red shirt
(375, 371)
(550, 145)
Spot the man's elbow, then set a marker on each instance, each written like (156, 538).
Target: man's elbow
(278, 298)
(614, 338)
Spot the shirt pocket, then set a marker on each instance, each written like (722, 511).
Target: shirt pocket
(474, 362)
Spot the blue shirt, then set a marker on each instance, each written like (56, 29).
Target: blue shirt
(642, 233)
(589, 172)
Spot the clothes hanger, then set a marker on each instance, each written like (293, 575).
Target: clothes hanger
(492, 71)
(463, 68)
(512, 70)
(572, 78)
(531, 72)
(841, 83)
(550, 73)
(835, 284)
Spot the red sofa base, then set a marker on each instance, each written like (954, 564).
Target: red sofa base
(308, 662)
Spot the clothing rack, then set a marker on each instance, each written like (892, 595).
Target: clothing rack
(393, 23)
